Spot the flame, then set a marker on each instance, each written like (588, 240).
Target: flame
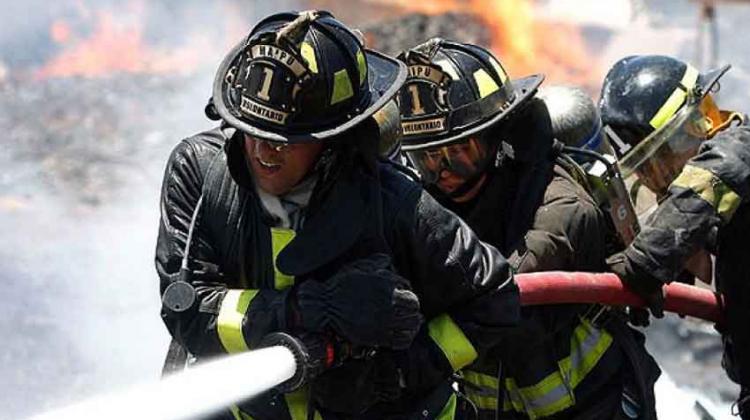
(524, 43)
(116, 44)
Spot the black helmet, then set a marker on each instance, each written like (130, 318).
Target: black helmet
(454, 91)
(302, 77)
(642, 93)
(656, 111)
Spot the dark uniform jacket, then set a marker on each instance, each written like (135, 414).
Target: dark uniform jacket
(243, 267)
(707, 208)
(560, 356)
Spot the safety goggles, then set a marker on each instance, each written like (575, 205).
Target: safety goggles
(465, 159)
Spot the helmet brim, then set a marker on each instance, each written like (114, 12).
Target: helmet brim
(385, 77)
(524, 89)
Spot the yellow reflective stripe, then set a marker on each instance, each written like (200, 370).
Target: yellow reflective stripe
(280, 238)
(485, 83)
(449, 410)
(308, 53)
(710, 188)
(591, 354)
(455, 346)
(362, 67)
(342, 87)
(239, 415)
(676, 99)
(554, 393)
(297, 403)
(229, 322)
(487, 382)
(499, 69)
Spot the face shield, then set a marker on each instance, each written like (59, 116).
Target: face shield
(465, 159)
(659, 158)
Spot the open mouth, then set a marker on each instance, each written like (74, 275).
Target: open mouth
(268, 166)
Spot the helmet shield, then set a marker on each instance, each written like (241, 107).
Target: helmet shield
(659, 158)
(466, 159)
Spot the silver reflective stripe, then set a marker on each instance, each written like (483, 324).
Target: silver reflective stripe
(555, 392)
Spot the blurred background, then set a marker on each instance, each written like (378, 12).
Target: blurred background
(95, 93)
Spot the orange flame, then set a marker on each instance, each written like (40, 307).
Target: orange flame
(524, 44)
(116, 46)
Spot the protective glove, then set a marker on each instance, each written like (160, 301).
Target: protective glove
(359, 384)
(365, 303)
(385, 380)
(313, 355)
(643, 284)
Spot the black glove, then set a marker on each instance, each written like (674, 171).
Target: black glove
(378, 381)
(358, 385)
(643, 284)
(365, 302)
(313, 354)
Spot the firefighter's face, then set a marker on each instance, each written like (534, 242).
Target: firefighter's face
(449, 167)
(277, 168)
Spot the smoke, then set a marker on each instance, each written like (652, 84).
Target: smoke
(80, 169)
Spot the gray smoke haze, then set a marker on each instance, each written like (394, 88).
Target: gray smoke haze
(81, 162)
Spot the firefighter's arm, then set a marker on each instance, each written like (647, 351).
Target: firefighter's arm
(702, 198)
(466, 290)
(222, 319)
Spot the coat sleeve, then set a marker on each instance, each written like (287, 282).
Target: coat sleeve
(226, 318)
(465, 286)
(705, 195)
(568, 233)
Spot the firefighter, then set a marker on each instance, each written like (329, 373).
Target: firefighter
(483, 146)
(662, 119)
(283, 220)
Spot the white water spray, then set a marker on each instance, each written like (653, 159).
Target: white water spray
(197, 391)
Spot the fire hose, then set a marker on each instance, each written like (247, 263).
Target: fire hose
(557, 287)
(212, 386)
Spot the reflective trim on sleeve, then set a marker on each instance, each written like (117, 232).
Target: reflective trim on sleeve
(229, 322)
(239, 414)
(455, 346)
(676, 99)
(297, 403)
(555, 392)
(710, 188)
(485, 397)
(280, 238)
(449, 410)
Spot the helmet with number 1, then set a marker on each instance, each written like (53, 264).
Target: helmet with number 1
(456, 95)
(303, 77)
(656, 110)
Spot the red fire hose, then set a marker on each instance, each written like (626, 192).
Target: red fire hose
(555, 287)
